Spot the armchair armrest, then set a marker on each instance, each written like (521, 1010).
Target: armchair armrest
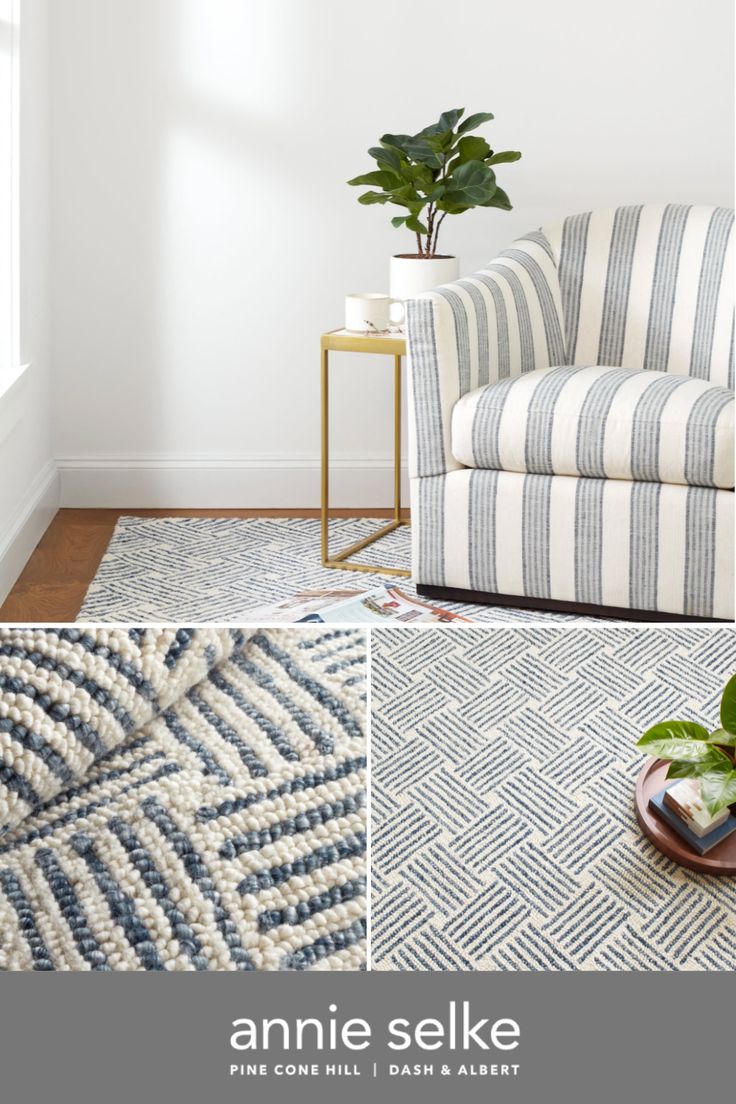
(502, 321)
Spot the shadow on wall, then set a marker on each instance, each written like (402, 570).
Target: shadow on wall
(203, 232)
(192, 185)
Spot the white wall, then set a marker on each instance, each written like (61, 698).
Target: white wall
(203, 235)
(29, 484)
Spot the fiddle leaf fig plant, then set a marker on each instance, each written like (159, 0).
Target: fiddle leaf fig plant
(694, 752)
(443, 170)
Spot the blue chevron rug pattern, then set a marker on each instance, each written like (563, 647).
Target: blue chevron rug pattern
(503, 775)
(182, 799)
(217, 569)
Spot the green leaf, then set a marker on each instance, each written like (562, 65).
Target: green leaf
(472, 148)
(450, 119)
(718, 788)
(503, 157)
(417, 227)
(421, 150)
(684, 741)
(499, 199)
(471, 184)
(673, 730)
(380, 178)
(386, 157)
(396, 141)
(453, 206)
(440, 143)
(689, 751)
(417, 149)
(725, 739)
(686, 770)
(470, 174)
(728, 706)
(420, 175)
(714, 760)
(399, 220)
(374, 197)
(474, 121)
(407, 195)
(447, 122)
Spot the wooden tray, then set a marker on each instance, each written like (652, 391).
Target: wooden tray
(721, 860)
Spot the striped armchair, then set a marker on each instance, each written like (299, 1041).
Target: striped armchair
(571, 420)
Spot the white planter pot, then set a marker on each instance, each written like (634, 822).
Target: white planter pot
(413, 275)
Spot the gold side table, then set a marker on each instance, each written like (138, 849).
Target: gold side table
(387, 344)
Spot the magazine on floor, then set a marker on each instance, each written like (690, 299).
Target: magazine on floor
(378, 605)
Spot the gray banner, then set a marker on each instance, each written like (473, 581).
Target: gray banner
(582, 1038)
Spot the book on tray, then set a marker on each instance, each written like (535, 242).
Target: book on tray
(699, 830)
(685, 800)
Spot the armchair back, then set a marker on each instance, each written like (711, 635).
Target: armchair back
(647, 286)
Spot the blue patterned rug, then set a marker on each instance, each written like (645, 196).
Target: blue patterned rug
(218, 569)
(503, 776)
(182, 799)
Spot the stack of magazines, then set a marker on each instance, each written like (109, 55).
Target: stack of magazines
(377, 606)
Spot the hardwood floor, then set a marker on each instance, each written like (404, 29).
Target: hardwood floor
(54, 582)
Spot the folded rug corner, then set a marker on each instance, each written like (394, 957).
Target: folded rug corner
(182, 799)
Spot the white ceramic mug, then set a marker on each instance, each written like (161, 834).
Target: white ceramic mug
(372, 312)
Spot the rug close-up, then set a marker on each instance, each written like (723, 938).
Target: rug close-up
(504, 769)
(182, 799)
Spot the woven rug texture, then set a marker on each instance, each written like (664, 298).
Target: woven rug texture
(503, 774)
(177, 570)
(182, 799)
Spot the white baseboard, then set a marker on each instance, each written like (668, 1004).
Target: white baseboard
(245, 481)
(28, 526)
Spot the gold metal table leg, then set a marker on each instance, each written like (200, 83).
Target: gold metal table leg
(339, 560)
(397, 438)
(325, 491)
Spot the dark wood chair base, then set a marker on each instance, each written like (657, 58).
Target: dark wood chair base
(550, 605)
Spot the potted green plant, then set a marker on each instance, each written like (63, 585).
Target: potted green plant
(694, 752)
(443, 170)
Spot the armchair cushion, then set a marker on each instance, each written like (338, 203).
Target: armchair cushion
(602, 422)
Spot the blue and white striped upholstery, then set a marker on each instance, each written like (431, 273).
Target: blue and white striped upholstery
(644, 289)
(497, 323)
(608, 542)
(649, 287)
(605, 423)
